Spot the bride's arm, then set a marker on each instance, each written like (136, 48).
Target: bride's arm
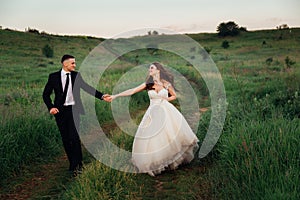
(172, 93)
(130, 92)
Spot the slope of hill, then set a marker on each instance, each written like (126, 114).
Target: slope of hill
(255, 158)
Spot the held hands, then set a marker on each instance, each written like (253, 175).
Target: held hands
(108, 98)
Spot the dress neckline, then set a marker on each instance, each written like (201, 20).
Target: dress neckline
(159, 90)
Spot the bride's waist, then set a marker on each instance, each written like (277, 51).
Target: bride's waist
(156, 101)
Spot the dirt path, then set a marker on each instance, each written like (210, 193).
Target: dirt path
(38, 181)
(188, 182)
(49, 181)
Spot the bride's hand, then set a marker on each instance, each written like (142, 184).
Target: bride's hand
(112, 97)
(107, 97)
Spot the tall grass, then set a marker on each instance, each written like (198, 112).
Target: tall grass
(260, 160)
(26, 138)
(258, 154)
(102, 182)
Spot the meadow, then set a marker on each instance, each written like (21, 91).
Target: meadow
(256, 157)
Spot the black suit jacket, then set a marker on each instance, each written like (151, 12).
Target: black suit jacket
(54, 84)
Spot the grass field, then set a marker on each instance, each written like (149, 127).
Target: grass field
(256, 157)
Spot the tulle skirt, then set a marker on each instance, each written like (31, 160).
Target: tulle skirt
(164, 140)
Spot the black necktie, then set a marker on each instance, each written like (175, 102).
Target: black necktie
(66, 88)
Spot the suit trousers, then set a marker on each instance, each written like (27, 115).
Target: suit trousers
(66, 121)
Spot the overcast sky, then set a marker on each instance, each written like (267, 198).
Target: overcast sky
(109, 18)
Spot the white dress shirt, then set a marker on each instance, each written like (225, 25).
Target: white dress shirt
(69, 99)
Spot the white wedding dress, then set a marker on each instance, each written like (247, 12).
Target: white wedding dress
(163, 139)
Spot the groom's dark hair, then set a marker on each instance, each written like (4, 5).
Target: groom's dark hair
(66, 57)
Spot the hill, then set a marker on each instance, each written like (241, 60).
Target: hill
(255, 158)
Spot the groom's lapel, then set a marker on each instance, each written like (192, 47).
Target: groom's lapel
(59, 80)
(73, 77)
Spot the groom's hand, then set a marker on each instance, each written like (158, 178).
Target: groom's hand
(107, 98)
(54, 111)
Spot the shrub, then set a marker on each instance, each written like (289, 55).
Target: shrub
(289, 62)
(244, 29)
(269, 61)
(207, 49)
(48, 51)
(225, 44)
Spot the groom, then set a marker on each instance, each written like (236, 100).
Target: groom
(67, 107)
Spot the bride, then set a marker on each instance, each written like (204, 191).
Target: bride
(163, 140)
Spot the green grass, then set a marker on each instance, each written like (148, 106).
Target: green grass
(260, 159)
(25, 139)
(257, 156)
(101, 182)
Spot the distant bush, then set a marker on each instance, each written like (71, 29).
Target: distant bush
(289, 62)
(44, 33)
(269, 61)
(48, 51)
(225, 44)
(137, 60)
(205, 52)
(207, 49)
(243, 29)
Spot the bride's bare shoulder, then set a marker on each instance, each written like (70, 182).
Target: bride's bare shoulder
(166, 84)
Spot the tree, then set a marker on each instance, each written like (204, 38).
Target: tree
(152, 33)
(228, 29)
(282, 26)
(32, 30)
(243, 29)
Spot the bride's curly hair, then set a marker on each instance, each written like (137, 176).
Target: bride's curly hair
(164, 76)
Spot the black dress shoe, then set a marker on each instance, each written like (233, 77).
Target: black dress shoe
(79, 169)
(75, 173)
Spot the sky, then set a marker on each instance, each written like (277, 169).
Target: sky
(111, 18)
